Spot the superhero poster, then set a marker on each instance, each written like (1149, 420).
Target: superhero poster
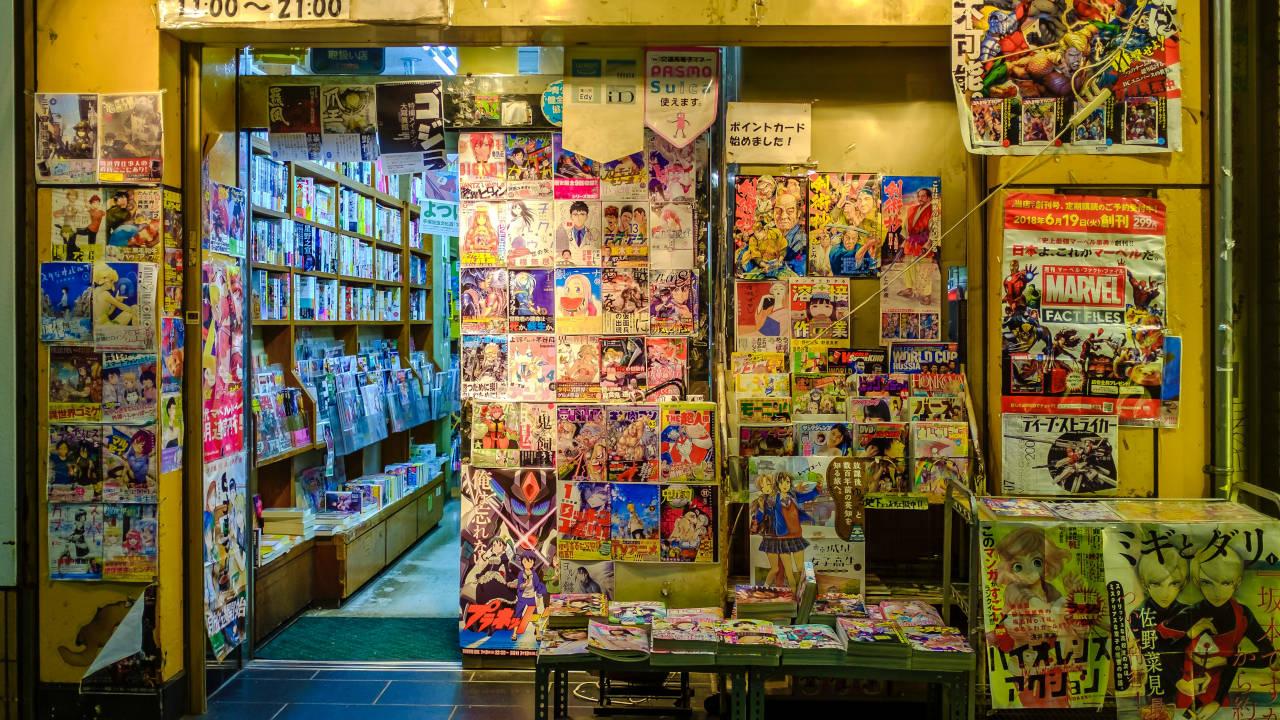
(1083, 303)
(508, 558)
(1024, 69)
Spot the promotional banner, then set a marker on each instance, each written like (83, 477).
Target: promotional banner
(225, 568)
(411, 126)
(222, 361)
(682, 90)
(603, 105)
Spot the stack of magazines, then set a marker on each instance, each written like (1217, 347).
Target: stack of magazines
(561, 644)
(938, 647)
(874, 642)
(624, 643)
(748, 642)
(636, 613)
(811, 645)
(762, 602)
(831, 605)
(686, 637)
(575, 610)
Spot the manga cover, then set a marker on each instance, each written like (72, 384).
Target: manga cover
(845, 233)
(481, 241)
(129, 543)
(767, 385)
(1059, 454)
(529, 233)
(130, 467)
(762, 315)
(764, 410)
(881, 385)
(531, 376)
(129, 390)
(581, 443)
(623, 368)
(482, 166)
(625, 236)
(625, 298)
(66, 149)
(688, 526)
(75, 542)
(130, 138)
(484, 366)
(939, 407)
(293, 122)
(671, 235)
(171, 432)
(808, 356)
(750, 363)
(912, 214)
(495, 434)
(226, 570)
(66, 302)
(577, 177)
(688, 442)
(877, 409)
(826, 438)
(938, 385)
(222, 366)
(578, 232)
(819, 396)
(348, 123)
(625, 179)
(134, 222)
(76, 223)
(224, 218)
(769, 236)
(483, 300)
(939, 439)
(668, 360)
(582, 577)
(75, 385)
(538, 435)
(820, 311)
(632, 444)
(931, 358)
(578, 310)
(673, 302)
(173, 334)
(769, 440)
(880, 439)
(584, 522)
(930, 476)
(124, 306)
(75, 464)
(530, 161)
(1085, 511)
(858, 361)
(410, 126)
(531, 300)
(672, 170)
(636, 519)
(577, 367)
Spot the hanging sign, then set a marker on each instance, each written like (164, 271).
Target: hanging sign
(769, 133)
(682, 89)
(180, 13)
(603, 108)
(410, 126)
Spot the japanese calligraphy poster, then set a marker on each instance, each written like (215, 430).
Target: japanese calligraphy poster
(293, 117)
(682, 90)
(222, 359)
(603, 102)
(769, 133)
(1059, 454)
(1083, 309)
(411, 126)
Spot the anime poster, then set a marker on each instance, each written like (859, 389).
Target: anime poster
(622, 369)
(75, 464)
(578, 232)
(75, 542)
(910, 302)
(1023, 71)
(583, 509)
(1042, 607)
(768, 440)
(688, 524)
(578, 302)
(668, 359)
(348, 123)
(528, 231)
(625, 236)
(130, 467)
(671, 236)
(222, 361)
(762, 315)
(911, 213)
(625, 179)
(131, 138)
(845, 233)
(484, 300)
(78, 227)
(673, 302)
(538, 434)
(820, 311)
(129, 543)
(495, 434)
(688, 442)
(577, 368)
(586, 577)
(129, 390)
(171, 432)
(769, 235)
(927, 358)
(1059, 454)
(480, 237)
(508, 558)
(530, 162)
(410, 126)
(531, 376)
(625, 299)
(672, 170)
(293, 122)
(66, 302)
(824, 439)
(636, 519)
(134, 222)
(225, 213)
(173, 334)
(124, 306)
(819, 396)
(632, 443)
(531, 300)
(482, 165)
(484, 366)
(1083, 314)
(581, 444)
(75, 385)
(577, 177)
(225, 544)
(66, 148)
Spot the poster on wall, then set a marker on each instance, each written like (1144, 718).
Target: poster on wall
(131, 138)
(293, 117)
(66, 149)
(411, 126)
(124, 305)
(770, 240)
(603, 102)
(845, 232)
(66, 302)
(225, 214)
(1060, 452)
(1083, 303)
(225, 543)
(348, 123)
(222, 361)
(762, 133)
(682, 91)
(78, 228)
(134, 224)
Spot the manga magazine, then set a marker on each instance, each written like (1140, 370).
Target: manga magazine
(668, 360)
(820, 311)
(225, 212)
(77, 227)
(130, 467)
(938, 385)
(66, 146)
(131, 138)
(769, 440)
(222, 365)
(538, 435)
(171, 432)
(348, 123)
(226, 570)
(293, 122)
(672, 170)
(529, 233)
(482, 166)
(530, 161)
(764, 410)
(134, 224)
(578, 310)
(75, 385)
(173, 335)
(582, 447)
(935, 439)
(625, 179)
(484, 366)
(483, 300)
(495, 434)
(881, 385)
(75, 464)
(124, 306)
(577, 367)
(930, 476)
(636, 518)
(129, 389)
(819, 396)
(633, 447)
(577, 177)
(877, 409)
(688, 527)
(808, 356)
(671, 236)
(688, 442)
(584, 521)
(625, 235)
(66, 302)
(625, 298)
(75, 542)
(845, 232)
(673, 302)
(623, 369)
(1059, 454)
(531, 300)
(531, 375)
(761, 315)
(578, 229)
(129, 543)
(481, 241)
(769, 235)
(828, 438)
(931, 358)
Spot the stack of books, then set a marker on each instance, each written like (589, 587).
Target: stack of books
(811, 644)
(831, 605)
(289, 521)
(748, 642)
(560, 644)
(910, 612)
(575, 610)
(873, 642)
(333, 523)
(643, 612)
(624, 643)
(762, 602)
(686, 637)
(938, 647)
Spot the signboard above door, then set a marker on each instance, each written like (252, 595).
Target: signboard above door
(190, 14)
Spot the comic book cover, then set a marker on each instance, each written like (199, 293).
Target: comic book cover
(222, 367)
(348, 123)
(495, 434)
(538, 435)
(750, 362)
(764, 410)
(224, 218)
(767, 385)
(75, 542)
(130, 467)
(173, 243)
(688, 442)
(824, 438)
(761, 315)
(129, 543)
(625, 179)
(877, 409)
(124, 306)
(582, 577)
(820, 310)
(938, 385)
(636, 519)
(625, 235)
(129, 390)
(75, 385)
(668, 361)
(688, 525)
(671, 236)
(578, 230)
(134, 224)
(819, 396)
(881, 385)
(531, 300)
(582, 446)
(1059, 454)
(131, 138)
(483, 300)
(808, 356)
(577, 177)
(172, 354)
(625, 299)
(623, 369)
(769, 235)
(939, 407)
(66, 302)
(481, 241)
(531, 374)
(673, 302)
(484, 366)
(293, 129)
(911, 209)
(66, 146)
(530, 161)
(633, 443)
(171, 432)
(1085, 511)
(577, 367)
(910, 302)
(672, 170)
(578, 301)
(857, 361)
(931, 358)
(75, 464)
(482, 166)
(931, 475)
(77, 227)
(934, 439)
(885, 481)
(768, 439)
(584, 525)
(880, 439)
(528, 232)
(845, 233)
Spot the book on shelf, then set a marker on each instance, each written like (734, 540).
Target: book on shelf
(304, 198)
(270, 295)
(388, 227)
(355, 257)
(289, 521)
(324, 207)
(419, 270)
(273, 241)
(269, 183)
(355, 212)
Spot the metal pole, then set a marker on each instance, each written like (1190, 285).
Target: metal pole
(1223, 250)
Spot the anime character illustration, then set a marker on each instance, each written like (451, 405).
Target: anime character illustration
(845, 232)
(777, 515)
(587, 516)
(577, 233)
(532, 298)
(481, 241)
(578, 300)
(1140, 123)
(483, 300)
(1039, 121)
(1162, 575)
(581, 450)
(526, 232)
(114, 298)
(673, 302)
(531, 591)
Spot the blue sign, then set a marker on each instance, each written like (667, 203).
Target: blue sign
(553, 103)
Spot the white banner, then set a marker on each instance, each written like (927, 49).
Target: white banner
(682, 90)
(769, 133)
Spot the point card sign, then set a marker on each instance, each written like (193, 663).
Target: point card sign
(603, 107)
(682, 89)
(769, 133)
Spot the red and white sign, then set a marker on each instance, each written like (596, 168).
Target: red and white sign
(682, 90)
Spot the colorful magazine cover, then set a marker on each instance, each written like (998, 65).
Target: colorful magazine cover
(577, 177)
(845, 233)
(809, 356)
(764, 410)
(642, 612)
(820, 310)
(129, 390)
(939, 407)
(495, 434)
(530, 161)
(625, 234)
(671, 236)
(75, 385)
(689, 529)
(173, 335)
(129, 543)
(635, 516)
(66, 145)
(910, 302)
(625, 179)
(75, 464)
(531, 300)
(673, 302)
(625, 299)
(77, 223)
(584, 523)
(130, 467)
(75, 542)
(134, 223)
(632, 443)
(819, 396)
(582, 448)
(222, 365)
(483, 300)
(881, 385)
(835, 439)
(480, 238)
(66, 302)
(751, 363)
(763, 385)
(481, 166)
(577, 367)
(578, 302)
(688, 442)
(623, 369)
(531, 376)
(766, 439)
(857, 361)
(935, 439)
(931, 475)
(672, 170)
(348, 123)
(171, 432)
(528, 230)
(578, 233)
(769, 235)
(668, 359)
(938, 385)
(762, 315)
(877, 409)
(131, 138)
(1084, 511)
(124, 305)
(930, 358)
(484, 366)
(881, 439)
(1059, 454)
(538, 434)
(912, 215)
